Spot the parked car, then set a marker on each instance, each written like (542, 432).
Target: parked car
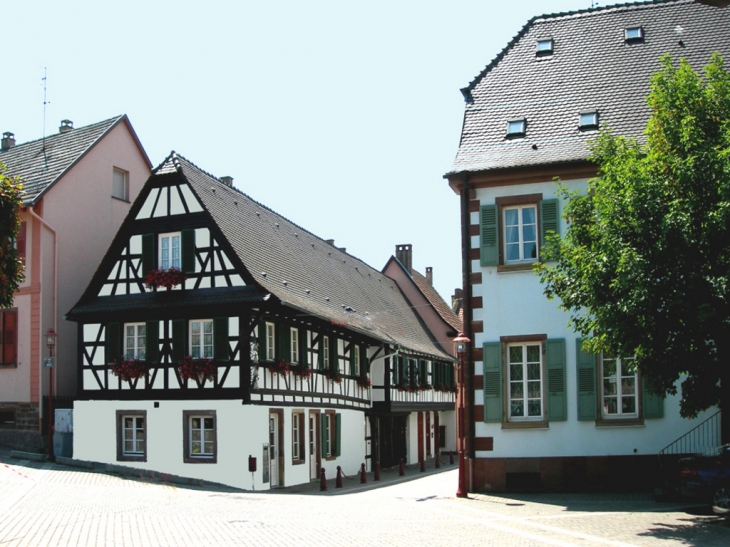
(707, 478)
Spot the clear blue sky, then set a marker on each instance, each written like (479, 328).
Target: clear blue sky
(341, 116)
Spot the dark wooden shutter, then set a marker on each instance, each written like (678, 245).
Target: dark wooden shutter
(113, 342)
(152, 328)
(148, 253)
(187, 252)
(489, 227)
(9, 337)
(324, 433)
(21, 241)
(179, 340)
(352, 358)
(338, 434)
(557, 395)
(262, 341)
(549, 222)
(492, 355)
(652, 403)
(221, 349)
(334, 363)
(586, 367)
(284, 339)
(303, 348)
(364, 365)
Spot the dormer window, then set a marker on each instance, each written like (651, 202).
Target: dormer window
(634, 34)
(589, 119)
(516, 127)
(544, 47)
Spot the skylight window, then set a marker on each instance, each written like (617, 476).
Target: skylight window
(516, 127)
(544, 46)
(634, 34)
(589, 119)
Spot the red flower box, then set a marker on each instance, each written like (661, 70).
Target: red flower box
(202, 369)
(164, 278)
(130, 369)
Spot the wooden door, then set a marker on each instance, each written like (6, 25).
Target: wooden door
(314, 457)
(420, 436)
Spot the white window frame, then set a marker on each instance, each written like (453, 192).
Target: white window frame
(521, 233)
(270, 350)
(525, 380)
(621, 387)
(296, 449)
(544, 46)
(136, 346)
(516, 127)
(116, 193)
(588, 119)
(201, 339)
(328, 444)
(356, 359)
(171, 261)
(325, 352)
(203, 429)
(139, 445)
(633, 34)
(294, 345)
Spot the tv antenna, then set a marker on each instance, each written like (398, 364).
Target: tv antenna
(45, 102)
(594, 4)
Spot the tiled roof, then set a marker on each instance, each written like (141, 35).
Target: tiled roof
(592, 67)
(302, 270)
(441, 307)
(41, 162)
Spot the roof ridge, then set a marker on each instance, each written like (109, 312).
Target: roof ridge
(466, 91)
(75, 129)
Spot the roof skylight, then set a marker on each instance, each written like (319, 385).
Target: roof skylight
(516, 127)
(589, 119)
(634, 34)
(544, 46)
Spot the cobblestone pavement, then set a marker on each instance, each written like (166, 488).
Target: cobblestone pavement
(49, 504)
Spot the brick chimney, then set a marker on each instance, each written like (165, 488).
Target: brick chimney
(330, 241)
(429, 275)
(66, 126)
(228, 181)
(8, 140)
(456, 300)
(404, 254)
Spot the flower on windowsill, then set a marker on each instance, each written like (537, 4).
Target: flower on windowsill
(334, 375)
(303, 371)
(130, 369)
(425, 387)
(363, 381)
(405, 386)
(164, 278)
(280, 367)
(453, 389)
(202, 369)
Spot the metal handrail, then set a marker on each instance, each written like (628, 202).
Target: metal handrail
(704, 438)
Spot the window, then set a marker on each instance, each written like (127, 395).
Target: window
(7, 418)
(331, 434)
(270, 341)
(120, 184)
(516, 127)
(297, 436)
(589, 119)
(294, 345)
(135, 341)
(619, 388)
(131, 435)
(201, 339)
(514, 229)
(524, 381)
(544, 46)
(355, 360)
(634, 34)
(325, 352)
(200, 445)
(9, 338)
(520, 233)
(169, 245)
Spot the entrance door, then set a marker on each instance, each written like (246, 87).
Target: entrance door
(420, 436)
(274, 449)
(313, 446)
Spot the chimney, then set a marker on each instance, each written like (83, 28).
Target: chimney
(330, 241)
(228, 181)
(343, 249)
(456, 300)
(8, 140)
(404, 255)
(429, 275)
(66, 126)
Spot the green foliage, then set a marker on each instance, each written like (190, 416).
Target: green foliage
(11, 268)
(644, 267)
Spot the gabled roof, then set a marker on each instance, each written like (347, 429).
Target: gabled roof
(592, 67)
(438, 303)
(42, 162)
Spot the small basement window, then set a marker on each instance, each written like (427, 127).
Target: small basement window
(634, 34)
(589, 119)
(544, 46)
(516, 127)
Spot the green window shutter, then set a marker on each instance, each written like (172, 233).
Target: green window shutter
(179, 337)
(284, 339)
(334, 364)
(586, 365)
(262, 342)
(352, 359)
(324, 419)
(549, 222)
(153, 342)
(489, 227)
(148, 253)
(557, 395)
(187, 252)
(653, 403)
(113, 339)
(221, 349)
(303, 350)
(492, 355)
(364, 365)
(338, 434)
(423, 379)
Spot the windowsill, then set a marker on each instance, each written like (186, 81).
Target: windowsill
(542, 424)
(297, 462)
(619, 422)
(331, 458)
(523, 267)
(200, 459)
(130, 458)
(8, 366)
(121, 199)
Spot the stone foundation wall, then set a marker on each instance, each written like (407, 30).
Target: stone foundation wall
(26, 433)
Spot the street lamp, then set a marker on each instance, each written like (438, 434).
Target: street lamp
(51, 343)
(460, 345)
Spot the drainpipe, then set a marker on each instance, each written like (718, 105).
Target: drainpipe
(466, 306)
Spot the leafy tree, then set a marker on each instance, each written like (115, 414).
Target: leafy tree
(644, 267)
(11, 268)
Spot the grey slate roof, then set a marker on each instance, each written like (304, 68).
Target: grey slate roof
(592, 67)
(336, 282)
(39, 169)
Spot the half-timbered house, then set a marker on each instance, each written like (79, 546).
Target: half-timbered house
(215, 330)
